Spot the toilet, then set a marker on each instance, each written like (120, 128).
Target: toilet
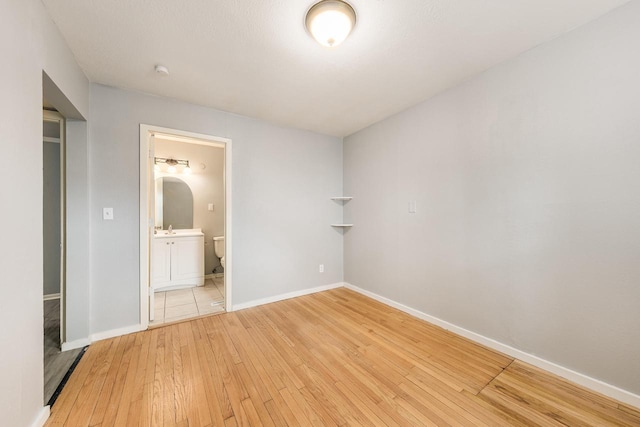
(218, 247)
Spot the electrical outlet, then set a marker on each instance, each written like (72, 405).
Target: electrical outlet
(321, 268)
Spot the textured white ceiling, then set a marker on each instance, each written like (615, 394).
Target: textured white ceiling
(254, 57)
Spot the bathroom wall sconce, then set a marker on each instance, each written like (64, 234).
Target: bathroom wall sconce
(172, 163)
(330, 21)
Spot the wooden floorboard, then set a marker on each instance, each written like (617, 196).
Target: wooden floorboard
(334, 358)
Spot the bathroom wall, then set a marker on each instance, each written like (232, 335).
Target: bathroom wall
(30, 43)
(282, 181)
(207, 186)
(526, 179)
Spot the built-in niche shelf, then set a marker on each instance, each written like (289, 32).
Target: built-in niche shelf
(342, 199)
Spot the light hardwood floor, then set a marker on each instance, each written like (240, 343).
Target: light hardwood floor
(332, 358)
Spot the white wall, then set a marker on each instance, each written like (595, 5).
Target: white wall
(207, 186)
(30, 43)
(78, 228)
(282, 181)
(528, 222)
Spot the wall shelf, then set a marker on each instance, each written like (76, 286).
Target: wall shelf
(342, 200)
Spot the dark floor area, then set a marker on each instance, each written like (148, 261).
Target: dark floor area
(56, 363)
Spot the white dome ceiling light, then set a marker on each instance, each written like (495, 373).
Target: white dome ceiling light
(330, 21)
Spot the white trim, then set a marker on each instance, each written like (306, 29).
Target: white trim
(191, 138)
(578, 378)
(42, 417)
(51, 116)
(288, 295)
(145, 132)
(228, 217)
(49, 297)
(116, 332)
(99, 336)
(72, 345)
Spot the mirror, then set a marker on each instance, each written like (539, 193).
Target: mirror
(174, 203)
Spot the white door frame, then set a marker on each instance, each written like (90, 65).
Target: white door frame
(147, 218)
(53, 116)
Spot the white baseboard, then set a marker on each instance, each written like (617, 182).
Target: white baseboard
(99, 336)
(49, 297)
(72, 345)
(288, 295)
(116, 332)
(578, 378)
(214, 276)
(42, 417)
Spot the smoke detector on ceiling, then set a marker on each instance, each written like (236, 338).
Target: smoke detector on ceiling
(162, 70)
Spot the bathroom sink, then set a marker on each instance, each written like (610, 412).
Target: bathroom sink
(179, 233)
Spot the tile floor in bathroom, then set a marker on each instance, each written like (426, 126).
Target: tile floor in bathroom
(171, 306)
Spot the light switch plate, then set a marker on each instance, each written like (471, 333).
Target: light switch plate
(107, 213)
(412, 206)
(210, 207)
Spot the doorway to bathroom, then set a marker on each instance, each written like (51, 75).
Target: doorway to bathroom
(185, 225)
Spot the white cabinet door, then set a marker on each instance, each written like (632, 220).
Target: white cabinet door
(161, 262)
(187, 259)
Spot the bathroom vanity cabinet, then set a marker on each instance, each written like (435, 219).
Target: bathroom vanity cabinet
(177, 260)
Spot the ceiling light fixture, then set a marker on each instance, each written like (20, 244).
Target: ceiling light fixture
(330, 21)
